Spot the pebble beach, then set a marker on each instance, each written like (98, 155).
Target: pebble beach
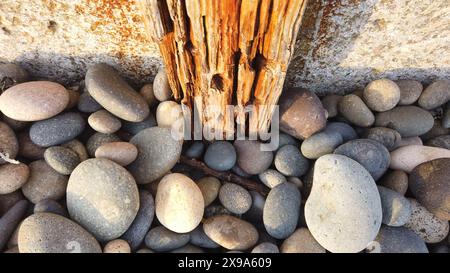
(94, 168)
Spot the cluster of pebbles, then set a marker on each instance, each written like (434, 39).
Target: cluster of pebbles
(94, 168)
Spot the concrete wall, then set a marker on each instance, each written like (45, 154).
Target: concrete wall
(342, 44)
(59, 38)
(346, 43)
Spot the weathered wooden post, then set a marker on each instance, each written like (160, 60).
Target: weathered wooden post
(226, 52)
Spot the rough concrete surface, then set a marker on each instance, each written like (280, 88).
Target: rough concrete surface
(58, 39)
(342, 44)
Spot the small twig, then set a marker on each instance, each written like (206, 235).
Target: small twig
(5, 156)
(227, 176)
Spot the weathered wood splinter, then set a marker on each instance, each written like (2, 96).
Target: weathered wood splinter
(226, 52)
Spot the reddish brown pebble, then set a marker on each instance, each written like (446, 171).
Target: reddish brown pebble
(301, 113)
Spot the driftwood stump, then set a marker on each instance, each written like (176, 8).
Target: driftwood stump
(226, 52)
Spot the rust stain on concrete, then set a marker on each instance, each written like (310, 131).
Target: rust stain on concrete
(119, 20)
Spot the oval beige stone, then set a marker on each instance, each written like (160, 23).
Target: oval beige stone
(381, 95)
(51, 233)
(12, 177)
(117, 246)
(179, 203)
(231, 232)
(33, 101)
(104, 122)
(161, 87)
(407, 158)
(168, 113)
(301, 241)
(123, 153)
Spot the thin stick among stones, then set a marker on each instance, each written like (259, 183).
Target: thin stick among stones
(226, 176)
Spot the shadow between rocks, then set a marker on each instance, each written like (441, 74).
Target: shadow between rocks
(69, 70)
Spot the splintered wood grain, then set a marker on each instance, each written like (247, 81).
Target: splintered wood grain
(226, 52)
